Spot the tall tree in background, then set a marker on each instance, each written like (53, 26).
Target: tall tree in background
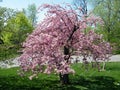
(109, 11)
(16, 29)
(31, 13)
(82, 4)
(5, 15)
(49, 48)
(2, 10)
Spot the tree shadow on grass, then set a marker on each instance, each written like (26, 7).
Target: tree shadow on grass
(97, 83)
(18, 83)
(77, 83)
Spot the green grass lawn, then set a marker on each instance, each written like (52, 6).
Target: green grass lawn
(83, 79)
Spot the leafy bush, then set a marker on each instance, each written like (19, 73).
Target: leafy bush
(8, 52)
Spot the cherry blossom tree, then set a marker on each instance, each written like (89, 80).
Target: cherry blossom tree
(60, 35)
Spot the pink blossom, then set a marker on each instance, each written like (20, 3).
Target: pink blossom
(44, 47)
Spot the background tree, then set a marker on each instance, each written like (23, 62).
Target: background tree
(5, 15)
(109, 11)
(17, 29)
(83, 4)
(31, 13)
(14, 27)
(49, 48)
(2, 10)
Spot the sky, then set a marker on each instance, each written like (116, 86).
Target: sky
(20, 4)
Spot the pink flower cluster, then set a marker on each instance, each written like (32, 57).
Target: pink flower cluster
(44, 49)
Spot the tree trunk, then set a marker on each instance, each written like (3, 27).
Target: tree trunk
(98, 65)
(64, 78)
(104, 65)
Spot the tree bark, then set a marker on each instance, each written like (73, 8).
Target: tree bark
(64, 78)
(104, 66)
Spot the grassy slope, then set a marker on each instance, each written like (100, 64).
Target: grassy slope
(82, 80)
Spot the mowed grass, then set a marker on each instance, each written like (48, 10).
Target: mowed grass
(83, 79)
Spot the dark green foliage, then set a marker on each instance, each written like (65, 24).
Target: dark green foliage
(8, 52)
(82, 80)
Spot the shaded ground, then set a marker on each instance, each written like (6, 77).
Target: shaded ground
(82, 80)
(78, 83)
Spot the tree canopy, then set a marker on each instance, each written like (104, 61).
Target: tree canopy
(60, 35)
